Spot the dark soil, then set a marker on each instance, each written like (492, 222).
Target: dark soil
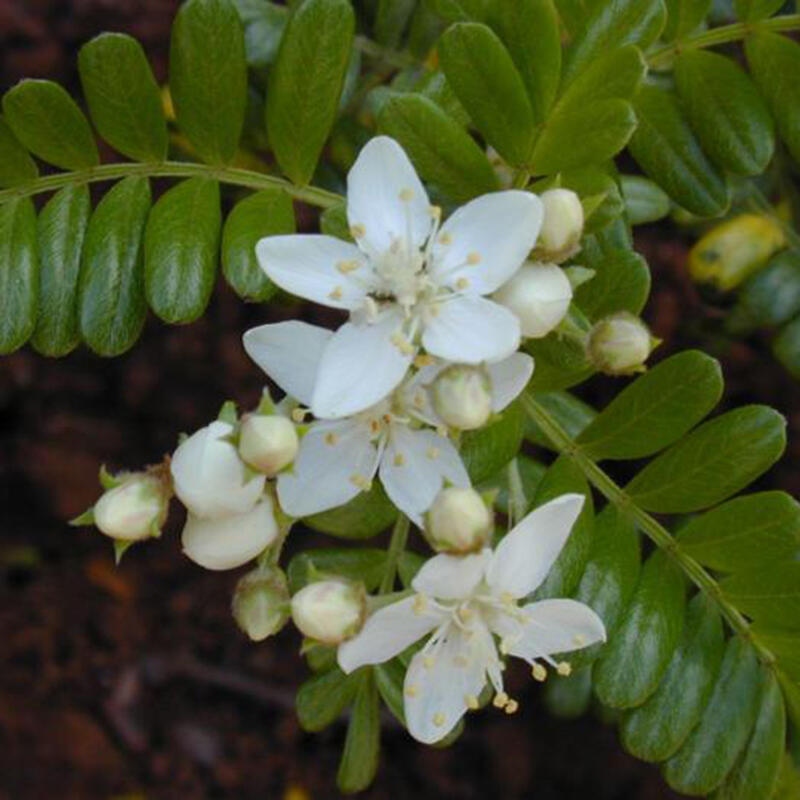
(133, 682)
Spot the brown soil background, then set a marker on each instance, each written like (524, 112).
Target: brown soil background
(133, 683)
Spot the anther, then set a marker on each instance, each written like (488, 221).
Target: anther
(420, 604)
(423, 360)
(357, 231)
(471, 701)
(428, 662)
(564, 668)
(336, 293)
(331, 438)
(432, 453)
(406, 195)
(462, 283)
(435, 211)
(299, 414)
(445, 238)
(361, 482)
(473, 258)
(346, 267)
(412, 690)
(465, 614)
(539, 673)
(500, 700)
(511, 707)
(401, 343)
(399, 460)
(579, 640)
(438, 719)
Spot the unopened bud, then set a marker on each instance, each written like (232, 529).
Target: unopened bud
(330, 611)
(539, 295)
(562, 226)
(267, 443)
(458, 521)
(462, 397)
(135, 509)
(620, 344)
(261, 602)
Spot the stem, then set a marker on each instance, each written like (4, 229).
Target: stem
(397, 545)
(661, 59)
(647, 524)
(172, 169)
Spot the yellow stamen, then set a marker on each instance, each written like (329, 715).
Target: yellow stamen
(512, 706)
(471, 701)
(462, 283)
(473, 259)
(357, 231)
(299, 414)
(564, 668)
(539, 673)
(399, 460)
(428, 662)
(412, 690)
(445, 238)
(439, 719)
(361, 482)
(579, 639)
(406, 195)
(331, 438)
(500, 700)
(435, 211)
(420, 604)
(432, 453)
(346, 267)
(423, 360)
(336, 294)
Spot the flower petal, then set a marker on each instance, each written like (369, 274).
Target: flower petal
(321, 268)
(360, 366)
(230, 541)
(469, 330)
(386, 633)
(556, 626)
(415, 466)
(485, 242)
(446, 577)
(508, 378)
(289, 352)
(386, 199)
(333, 464)
(524, 557)
(444, 679)
(209, 477)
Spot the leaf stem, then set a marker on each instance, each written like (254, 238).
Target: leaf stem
(234, 176)
(397, 545)
(662, 58)
(648, 525)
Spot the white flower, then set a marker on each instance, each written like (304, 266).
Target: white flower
(406, 282)
(267, 443)
(133, 510)
(339, 458)
(329, 611)
(210, 479)
(562, 227)
(467, 601)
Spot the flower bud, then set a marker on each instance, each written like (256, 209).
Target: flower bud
(539, 295)
(267, 443)
(210, 478)
(620, 344)
(228, 542)
(458, 521)
(462, 396)
(133, 510)
(261, 602)
(330, 611)
(562, 226)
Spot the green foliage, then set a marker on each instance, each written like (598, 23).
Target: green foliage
(16, 165)
(19, 274)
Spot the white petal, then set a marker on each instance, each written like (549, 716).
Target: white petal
(386, 198)
(332, 465)
(447, 577)
(289, 352)
(508, 378)
(442, 679)
(485, 242)
(415, 394)
(230, 541)
(360, 366)
(209, 477)
(557, 626)
(317, 267)
(524, 557)
(415, 466)
(386, 633)
(469, 330)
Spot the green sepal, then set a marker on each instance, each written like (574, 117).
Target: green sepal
(107, 480)
(120, 548)
(87, 518)
(228, 413)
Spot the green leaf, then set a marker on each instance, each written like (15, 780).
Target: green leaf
(786, 347)
(769, 595)
(745, 532)
(613, 24)
(569, 698)
(725, 111)
(391, 20)
(322, 699)
(487, 450)
(636, 657)
(529, 29)
(615, 75)
(208, 77)
(621, 283)
(123, 96)
(61, 231)
(565, 477)
(656, 409)
(644, 200)
(265, 213)
(684, 17)
(712, 748)
(611, 574)
(389, 678)
(560, 362)
(655, 730)
(264, 24)
(443, 153)
(49, 123)
(564, 145)
(668, 152)
(181, 247)
(366, 515)
(486, 81)
(783, 644)
(16, 166)
(774, 64)
(595, 184)
(19, 273)
(111, 301)
(306, 83)
(751, 10)
(572, 414)
(756, 774)
(333, 222)
(712, 463)
(365, 564)
(361, 747)
(772, 296)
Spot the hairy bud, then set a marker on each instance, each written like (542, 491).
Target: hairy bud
(562, 227)
(458, 521)
(620, 344)
(135, 509)
(330, 611)
(267, 443)
(261, 602)
(462, 396)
